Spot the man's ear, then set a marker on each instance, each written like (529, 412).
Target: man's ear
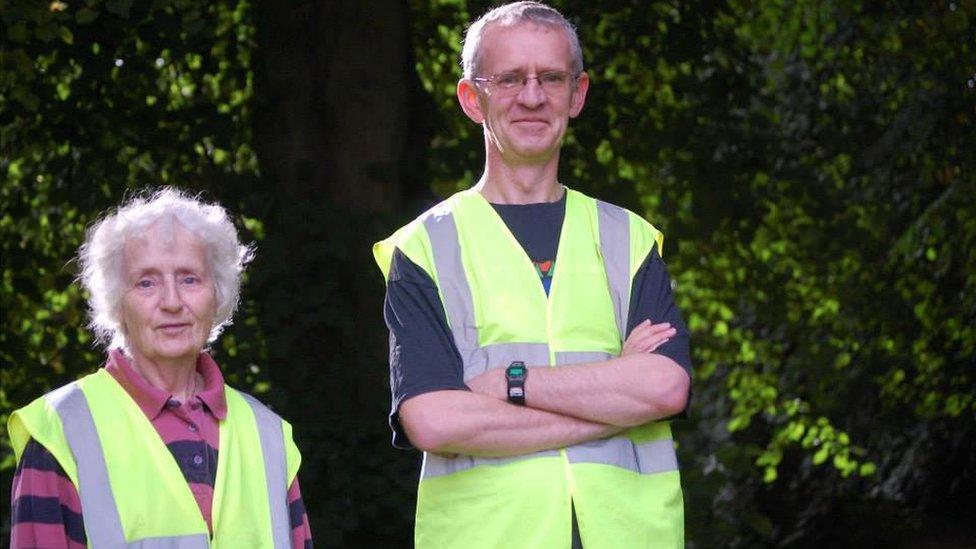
(467, 94)
(579, 94)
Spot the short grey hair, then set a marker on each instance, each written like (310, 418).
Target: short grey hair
(101, 265)
(512, 14)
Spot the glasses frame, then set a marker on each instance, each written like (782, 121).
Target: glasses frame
(491, 81)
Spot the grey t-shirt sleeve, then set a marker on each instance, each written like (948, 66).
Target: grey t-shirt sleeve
(423, 357)
(652, 297)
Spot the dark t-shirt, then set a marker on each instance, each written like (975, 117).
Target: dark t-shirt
(423, 357)
(537, 228)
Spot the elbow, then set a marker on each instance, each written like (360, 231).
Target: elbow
(672, 397)
(427, 438)
(666, 398)
(426, 428)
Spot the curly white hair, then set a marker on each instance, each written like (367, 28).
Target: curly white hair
(101, 256)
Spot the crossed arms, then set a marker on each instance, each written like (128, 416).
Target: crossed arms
(564, 406)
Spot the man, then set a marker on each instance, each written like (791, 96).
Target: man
(507, 305)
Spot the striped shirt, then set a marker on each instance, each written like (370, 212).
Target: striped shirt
(46, 507)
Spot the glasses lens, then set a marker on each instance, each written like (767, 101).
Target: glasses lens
(554, 80)
(508, 80)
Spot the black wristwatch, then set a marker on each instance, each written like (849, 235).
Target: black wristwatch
(515, 374)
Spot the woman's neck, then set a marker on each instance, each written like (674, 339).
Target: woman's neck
(177, 377)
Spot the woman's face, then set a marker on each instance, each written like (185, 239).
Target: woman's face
(169, 303)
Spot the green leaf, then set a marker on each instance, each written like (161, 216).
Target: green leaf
(85, 16)
(119, 7)
(66, 35)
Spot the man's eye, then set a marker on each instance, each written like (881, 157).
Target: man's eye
(508, 79)
(144, 284)
(190, 280)
(553, 78)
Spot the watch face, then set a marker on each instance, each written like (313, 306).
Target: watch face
(516, 370)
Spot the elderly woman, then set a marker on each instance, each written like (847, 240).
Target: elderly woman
(154, 450)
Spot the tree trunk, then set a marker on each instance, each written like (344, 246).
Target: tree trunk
(340, 129)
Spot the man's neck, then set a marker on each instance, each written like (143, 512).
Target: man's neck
(504, 183)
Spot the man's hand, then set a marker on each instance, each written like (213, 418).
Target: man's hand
(647, 337)
(491, 383)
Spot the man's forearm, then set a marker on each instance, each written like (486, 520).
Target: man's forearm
(625, 391)
(462, 422)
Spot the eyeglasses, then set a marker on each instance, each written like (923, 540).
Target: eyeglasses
(511, 83)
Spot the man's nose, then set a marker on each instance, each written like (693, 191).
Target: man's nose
(532, 95)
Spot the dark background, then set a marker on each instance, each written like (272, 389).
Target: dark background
(810, 162)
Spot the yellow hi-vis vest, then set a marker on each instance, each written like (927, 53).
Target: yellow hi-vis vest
(131, 489)
(626, 489)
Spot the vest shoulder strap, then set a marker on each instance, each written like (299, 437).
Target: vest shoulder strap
(412, 239)
(41, 421)
(645, 235)
(281, 460)
(266, 414)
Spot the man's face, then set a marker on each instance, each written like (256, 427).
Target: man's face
(525, 124)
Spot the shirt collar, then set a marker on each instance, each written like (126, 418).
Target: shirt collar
(151, 400)
(212, 394)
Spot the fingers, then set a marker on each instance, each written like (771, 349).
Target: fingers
(653, 347)
(646, 337)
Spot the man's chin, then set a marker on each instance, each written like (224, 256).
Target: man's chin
(541, 150)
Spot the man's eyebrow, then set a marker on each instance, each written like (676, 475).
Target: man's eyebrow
(539, 69)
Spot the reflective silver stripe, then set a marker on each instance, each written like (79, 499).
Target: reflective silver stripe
(500, 355)
(615, 248)
(579, 357)
(645, 458)
(275, 469)
(656, 456)
(453, 284)
(459, 306)
(435, 465)
(102, 523)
